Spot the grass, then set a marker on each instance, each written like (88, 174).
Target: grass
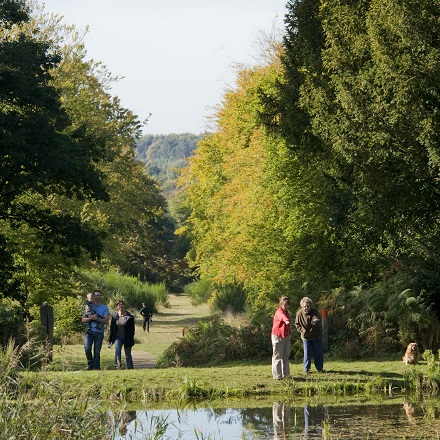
(235, 379)
(65, 400)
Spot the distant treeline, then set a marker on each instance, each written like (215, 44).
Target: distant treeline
(165, 154)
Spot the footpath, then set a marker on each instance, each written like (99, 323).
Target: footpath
(167, 326)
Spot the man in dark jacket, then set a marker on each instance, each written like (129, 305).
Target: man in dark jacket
(308, 323)
(147, 314)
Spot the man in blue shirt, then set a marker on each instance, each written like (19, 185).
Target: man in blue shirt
(95, 331)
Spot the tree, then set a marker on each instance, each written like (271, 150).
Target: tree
(358, 102)
(257, 218)
(41, 153)
(379, 112)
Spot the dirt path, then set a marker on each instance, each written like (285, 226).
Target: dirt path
(166, 327)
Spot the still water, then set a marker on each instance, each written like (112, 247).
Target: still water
(286, 421)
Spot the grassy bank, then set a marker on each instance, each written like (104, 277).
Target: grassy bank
(235, 379)
(65, 401)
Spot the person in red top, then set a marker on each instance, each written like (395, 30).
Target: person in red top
(281, 335)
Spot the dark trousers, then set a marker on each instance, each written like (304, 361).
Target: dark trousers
(146, 324)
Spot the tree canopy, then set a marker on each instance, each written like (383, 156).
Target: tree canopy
(71, 192)
(331, 153)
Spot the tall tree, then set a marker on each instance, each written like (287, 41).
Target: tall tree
(256, 213)
(41, 153)
(359, 101)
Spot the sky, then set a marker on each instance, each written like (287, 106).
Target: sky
(175, 57)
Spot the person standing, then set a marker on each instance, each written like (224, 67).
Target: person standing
(95, 330)
(308, 323)
(281, 336)
(147, 314)
(122, 330)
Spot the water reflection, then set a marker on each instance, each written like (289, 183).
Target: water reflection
(125, 418)
(281, 419)
(285, 420)
(314, 419)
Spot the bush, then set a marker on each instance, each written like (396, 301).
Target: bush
(67, 316)
(213, 342)
(381, 319)
(199, 291)
(228, 298)
(12, 320)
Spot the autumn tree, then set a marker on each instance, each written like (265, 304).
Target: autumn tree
(257, 215)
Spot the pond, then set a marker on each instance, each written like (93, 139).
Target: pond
(283, 420)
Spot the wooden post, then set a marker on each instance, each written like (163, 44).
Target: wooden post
(324, 329)
(47, 322)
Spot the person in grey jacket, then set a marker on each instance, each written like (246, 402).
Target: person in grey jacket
(308, 323)
(122, 330)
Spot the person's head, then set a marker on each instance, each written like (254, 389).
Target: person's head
(90, 297)
(97, 296)
(284, 302)
(120, 305)
(306, 304)
(143, 304)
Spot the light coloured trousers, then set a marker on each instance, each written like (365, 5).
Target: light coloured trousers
(280, 356)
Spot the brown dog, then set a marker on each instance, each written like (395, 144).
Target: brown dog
(412, 354)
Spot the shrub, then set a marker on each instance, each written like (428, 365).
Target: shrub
(12, 320)
(214, 341)
(117, 286)
(67, 317)
(380, 319)
(228, 298)
(199, 291)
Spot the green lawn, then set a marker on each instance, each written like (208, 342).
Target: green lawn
(250, 378)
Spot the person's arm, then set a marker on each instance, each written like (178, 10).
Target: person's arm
(89, 318)
(298, 325)
(110, 333)
(103, 319)
(316, 317)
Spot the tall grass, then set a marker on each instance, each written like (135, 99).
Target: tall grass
(46, 410)
(134, 292)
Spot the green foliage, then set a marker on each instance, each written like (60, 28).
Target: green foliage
(164, 155)
(362, 97)
(384, 318)
(431, 365)
(228, 298)
(213, 342)
(115, 286)
(37, 136)
(12, 320)
(82, 193)
(67, 319)
(244, 219)
(200, 291)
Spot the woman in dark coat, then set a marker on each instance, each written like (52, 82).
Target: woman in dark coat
(122, 331)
